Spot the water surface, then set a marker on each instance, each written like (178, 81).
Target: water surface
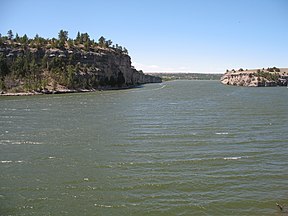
(176, 148)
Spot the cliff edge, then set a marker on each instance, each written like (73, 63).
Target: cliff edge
(256, 77)
(56, 66)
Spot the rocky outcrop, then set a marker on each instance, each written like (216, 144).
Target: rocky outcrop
(103, 68)
(256, 78)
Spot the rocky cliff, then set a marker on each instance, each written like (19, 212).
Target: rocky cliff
(105, 64)
(45, 69)
(256, 78)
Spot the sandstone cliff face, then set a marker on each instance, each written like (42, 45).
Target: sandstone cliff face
(238, 79)
(255, 78)
(119, 63)
(107, 64)
(107, 67)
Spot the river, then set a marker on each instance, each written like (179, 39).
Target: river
(175, 148)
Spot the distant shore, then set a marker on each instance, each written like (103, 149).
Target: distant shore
(187, 76)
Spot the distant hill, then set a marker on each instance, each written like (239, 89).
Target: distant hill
(187, 76)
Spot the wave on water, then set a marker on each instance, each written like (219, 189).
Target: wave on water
(221, 133)
(6, 161)
(10, 161)
(15, 142)
(108, 206)
(162, 86)
(232, 158)
(168, 162)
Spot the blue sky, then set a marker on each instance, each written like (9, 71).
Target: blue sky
(166, 35)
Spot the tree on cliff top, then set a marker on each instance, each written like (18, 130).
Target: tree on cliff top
(82, 38)
(63, 36)
(102, 42)
(10, 35)
(63, 41)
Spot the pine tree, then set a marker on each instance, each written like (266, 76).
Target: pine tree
(10, 35)
(63, 36)
(102, 41)
(17, 37)
(78, 38)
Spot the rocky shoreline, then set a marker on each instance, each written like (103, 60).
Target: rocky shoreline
(64, 91)
(256, 77)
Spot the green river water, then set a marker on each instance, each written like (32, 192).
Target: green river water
(176, 148)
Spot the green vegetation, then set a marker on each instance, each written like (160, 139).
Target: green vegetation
(36, 64)
(274, 69)
(268, 75)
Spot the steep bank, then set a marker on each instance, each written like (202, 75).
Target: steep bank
(256, 77)
(55, 66)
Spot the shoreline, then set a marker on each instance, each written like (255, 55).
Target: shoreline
(65, 91)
